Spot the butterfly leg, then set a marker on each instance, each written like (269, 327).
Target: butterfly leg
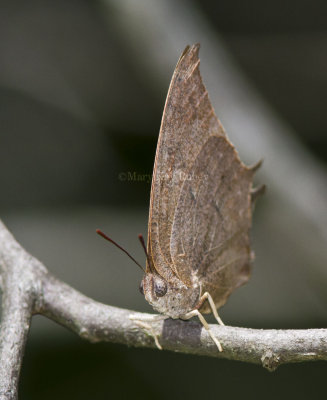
(196, 313)
(143, 322)
(206, 296)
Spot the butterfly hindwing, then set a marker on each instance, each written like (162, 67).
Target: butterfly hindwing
(210, 243)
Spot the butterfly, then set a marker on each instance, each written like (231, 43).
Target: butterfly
(198, 247)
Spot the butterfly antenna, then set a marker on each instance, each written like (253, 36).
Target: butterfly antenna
(99, 232)
(141, 239)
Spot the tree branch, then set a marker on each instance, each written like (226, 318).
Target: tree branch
(28, 288)
(19, 281)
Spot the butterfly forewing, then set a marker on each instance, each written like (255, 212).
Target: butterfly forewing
(187, 123)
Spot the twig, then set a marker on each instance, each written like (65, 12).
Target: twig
(98, 322)
(28, 288)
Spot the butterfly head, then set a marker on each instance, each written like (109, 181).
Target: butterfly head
(153, 286)
(172, 298)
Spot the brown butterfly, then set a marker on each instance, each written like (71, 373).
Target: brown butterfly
(200, 207)
(198, 248)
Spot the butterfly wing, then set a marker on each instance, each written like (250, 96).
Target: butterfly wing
(187, 123)
(210, 243)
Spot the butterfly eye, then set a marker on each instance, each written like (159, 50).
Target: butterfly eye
(160, 287)
(141, 289)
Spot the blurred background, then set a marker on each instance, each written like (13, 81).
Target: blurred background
(82, 89)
